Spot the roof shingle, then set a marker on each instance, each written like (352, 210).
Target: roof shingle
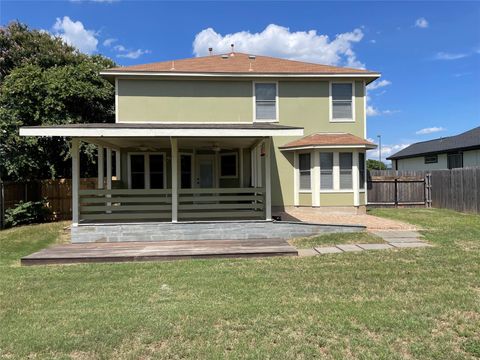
(328, 139)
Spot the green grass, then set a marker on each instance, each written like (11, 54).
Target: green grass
(409, 303)
(363, 237)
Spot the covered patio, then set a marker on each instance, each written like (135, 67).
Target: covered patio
(172, 172)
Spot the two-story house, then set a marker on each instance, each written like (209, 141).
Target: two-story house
(224, 137)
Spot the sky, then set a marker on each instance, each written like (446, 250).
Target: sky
(428, 52)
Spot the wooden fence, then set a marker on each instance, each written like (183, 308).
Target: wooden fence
(457, 189)
(58, 193)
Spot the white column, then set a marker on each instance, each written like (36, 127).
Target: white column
(174, 145)
(118, 165)
(75, 180)
(240, 167)
(268, 183)
(316, 178)
(296, 178)
(336, 171)
(355, 179)
(109, 169)
(100, 166)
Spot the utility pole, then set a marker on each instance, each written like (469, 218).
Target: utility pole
(379, 147)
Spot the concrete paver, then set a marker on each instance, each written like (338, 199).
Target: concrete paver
(328, 250)
(409, 244)
(375, 246)
(349, 247)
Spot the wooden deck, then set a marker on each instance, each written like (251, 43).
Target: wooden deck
(161, 250)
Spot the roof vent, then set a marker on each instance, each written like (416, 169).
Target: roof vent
(224, 56)
(252, 57)
(210, 50)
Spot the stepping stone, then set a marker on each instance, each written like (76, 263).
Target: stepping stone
(306, 252)
(349, 248)
(409, 244)
(328, 250)
(375, 246)
(397, 234)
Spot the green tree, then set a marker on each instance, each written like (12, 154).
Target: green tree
(46, 82)
(375, 165)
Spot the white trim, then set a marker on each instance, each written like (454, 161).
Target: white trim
(174, 147)
(296, 174)
(220, 176)
(254, 97)
(316, 178)
(336, 171)
(268, 185)
(372, 75)
(145, 132)
(75, 181)
(330, 101)
(146, 166)
(329, 191)
(311, 171)
(346, 147)
(116, 100)
(355, 179)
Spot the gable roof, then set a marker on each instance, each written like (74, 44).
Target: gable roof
(239, 63)
(325, 140)
(467, 140)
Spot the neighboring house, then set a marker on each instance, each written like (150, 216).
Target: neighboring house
(228, 136)
(444, 153)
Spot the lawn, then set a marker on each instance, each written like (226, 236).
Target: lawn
(363, 237)
(395, 304)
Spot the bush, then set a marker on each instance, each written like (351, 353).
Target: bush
(27, 213)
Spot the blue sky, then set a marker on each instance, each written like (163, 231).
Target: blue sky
(428, 52)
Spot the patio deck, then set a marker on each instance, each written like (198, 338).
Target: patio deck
(160, 250)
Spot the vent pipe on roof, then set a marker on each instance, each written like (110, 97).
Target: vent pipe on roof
(210, 50)
(232, 45)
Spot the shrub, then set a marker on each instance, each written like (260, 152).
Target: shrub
(27, 213)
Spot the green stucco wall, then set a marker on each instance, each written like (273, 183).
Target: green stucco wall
(336, 199)
(305, 199)
(184, 100)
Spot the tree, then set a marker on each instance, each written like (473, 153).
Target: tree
(46, 82)
(375, 165)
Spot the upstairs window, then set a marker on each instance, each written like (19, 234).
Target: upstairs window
(265, 101)
(305, 170)
(342, 101)
(345, 170)
(326, 171)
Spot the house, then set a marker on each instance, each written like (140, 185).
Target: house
(223, 137)
(457, 151)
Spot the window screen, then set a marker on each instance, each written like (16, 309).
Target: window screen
(228, 165)
(304, 167)
(342, 101)
(137, 167)
(455, 160)
(156, 171)
(265, 101)
(361, 170)
(345, 170)
(326, 171)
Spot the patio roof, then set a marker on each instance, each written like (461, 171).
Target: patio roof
(159, 129)
(328, 140)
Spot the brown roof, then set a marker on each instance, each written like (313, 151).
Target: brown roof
(327, 139)
(239, 63)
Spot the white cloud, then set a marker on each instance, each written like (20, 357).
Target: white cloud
(387, 150)
(279, 41)
(421, 23)
(75, 34)
(373, 111)
(109, 42)
(97, 1)
(449, 56)
(430, 130)
(134, 54)
(378, 84)
(120, 48)
(373, 41)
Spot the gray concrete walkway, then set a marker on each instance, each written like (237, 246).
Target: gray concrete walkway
(393, 239)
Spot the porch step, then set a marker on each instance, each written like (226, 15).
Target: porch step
(212, 230)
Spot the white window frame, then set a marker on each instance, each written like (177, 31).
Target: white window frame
(320, 172)
(351, 170)
(146, 159)
(305, 191)
(330, 84)
(254, 97)
(220, 166)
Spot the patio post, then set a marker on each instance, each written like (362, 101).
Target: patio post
(75, 180)
(100, 166)
(118, 165)
(174, 145)
(268, 185)
(355, 179)
(109, 175)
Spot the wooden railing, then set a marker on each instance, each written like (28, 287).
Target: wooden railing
(221, 203)
(125, 204)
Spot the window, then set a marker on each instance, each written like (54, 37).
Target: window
(228, 165)
(185, 171)
(265, 101)
(326, 171)
(156, 171)
(304, 166)
(431, 159)
(345, 170)
(342, 107)
(455, 160)
(137, 171)
(361, 170)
